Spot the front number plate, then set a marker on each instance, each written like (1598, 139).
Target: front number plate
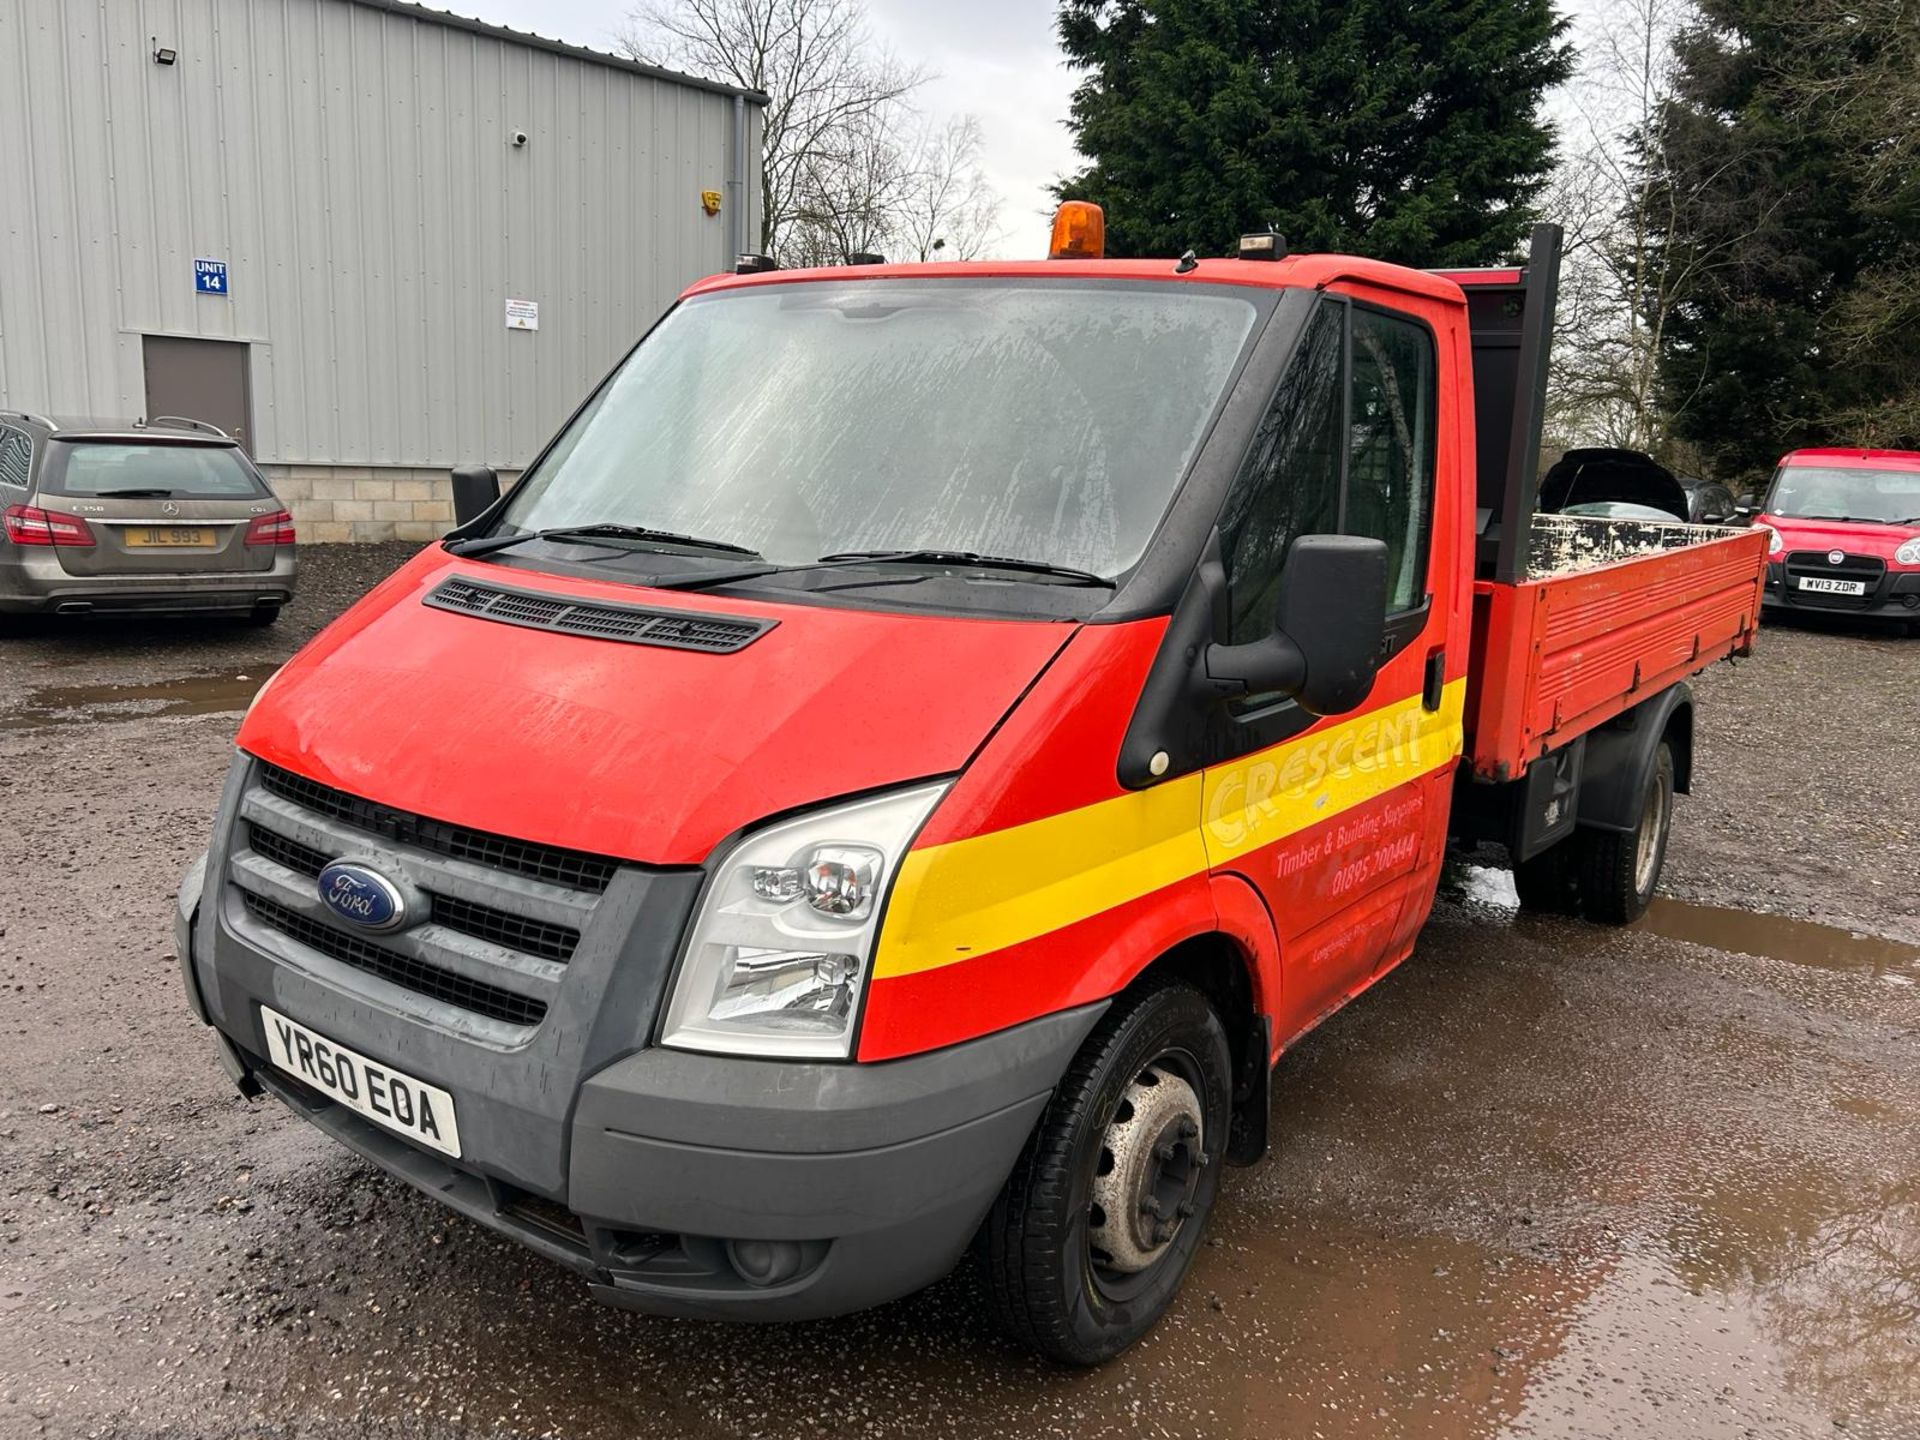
(421, 1112)
(1833, 587)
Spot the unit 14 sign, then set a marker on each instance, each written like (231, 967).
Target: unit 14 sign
(210, 277)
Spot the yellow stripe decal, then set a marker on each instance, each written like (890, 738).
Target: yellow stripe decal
(1281, 791)
(970, 897)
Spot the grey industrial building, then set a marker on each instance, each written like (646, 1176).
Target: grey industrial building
(377, 239)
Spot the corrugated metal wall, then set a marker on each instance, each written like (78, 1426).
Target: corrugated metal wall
(353, 167)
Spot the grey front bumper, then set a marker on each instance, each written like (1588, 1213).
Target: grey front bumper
(186, 908)
(870, 1178)
(661, 1176)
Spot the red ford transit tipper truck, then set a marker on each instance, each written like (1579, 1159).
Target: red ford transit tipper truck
(903, 762)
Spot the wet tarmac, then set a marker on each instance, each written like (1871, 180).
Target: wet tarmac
(1545, 1180)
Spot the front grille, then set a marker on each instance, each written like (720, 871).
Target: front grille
(599, 620)
(1815, 565)
(302, 859)
(482, 922)
(571, 868)
(403, 970)
(516, 932)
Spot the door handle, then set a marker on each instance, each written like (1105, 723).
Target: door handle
(1436, 679)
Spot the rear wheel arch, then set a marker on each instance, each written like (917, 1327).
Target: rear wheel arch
(1678, 733)
(1621, 755)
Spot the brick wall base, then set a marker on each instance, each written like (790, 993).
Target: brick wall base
(334, 504)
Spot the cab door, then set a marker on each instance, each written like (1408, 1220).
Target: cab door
(1335, 820)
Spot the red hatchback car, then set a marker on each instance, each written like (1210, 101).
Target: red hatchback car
(1846, 534)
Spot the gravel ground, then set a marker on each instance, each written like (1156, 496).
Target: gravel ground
(1808, 799)
(1547, 1180)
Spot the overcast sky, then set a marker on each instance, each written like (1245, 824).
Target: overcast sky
(995, 59)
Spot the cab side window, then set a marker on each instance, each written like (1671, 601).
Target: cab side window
(16, 458)
(1346, 447)
(1390, 447)
(1289, 484)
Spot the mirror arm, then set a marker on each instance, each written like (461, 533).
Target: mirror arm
(1273, 664)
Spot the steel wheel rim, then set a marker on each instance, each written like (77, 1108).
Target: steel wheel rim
(1148, 1174)
(1646, 852)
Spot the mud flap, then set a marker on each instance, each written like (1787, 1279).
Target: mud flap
(1252, 1097)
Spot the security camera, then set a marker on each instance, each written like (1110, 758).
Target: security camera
(519, 138)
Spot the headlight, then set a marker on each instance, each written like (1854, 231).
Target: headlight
(1774, 543)
(784, 936)
(1909, 553)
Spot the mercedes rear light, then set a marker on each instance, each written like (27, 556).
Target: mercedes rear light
(30, 525)
(274, 529)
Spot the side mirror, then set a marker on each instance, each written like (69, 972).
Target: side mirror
(475, 490)
(1747, 505)
(1329, 626)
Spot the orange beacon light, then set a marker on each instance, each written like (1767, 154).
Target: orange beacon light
(1079, 232)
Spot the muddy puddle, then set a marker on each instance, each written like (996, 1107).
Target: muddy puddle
(212, 692)
(1775, 937)
(1732, 932)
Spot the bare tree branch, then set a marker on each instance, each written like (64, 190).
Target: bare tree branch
(848, 165)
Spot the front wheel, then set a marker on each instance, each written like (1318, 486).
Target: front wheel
(1107, 1205)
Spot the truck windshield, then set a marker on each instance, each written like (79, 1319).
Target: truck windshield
(1888, 497)
(1039, 419)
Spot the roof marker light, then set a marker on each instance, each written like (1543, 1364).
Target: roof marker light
(1264, 245)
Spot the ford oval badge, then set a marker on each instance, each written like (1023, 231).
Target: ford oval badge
(362, 896)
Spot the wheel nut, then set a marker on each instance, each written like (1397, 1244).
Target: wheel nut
(1188, 1130)
(1187, 1207)
(1163, 1152)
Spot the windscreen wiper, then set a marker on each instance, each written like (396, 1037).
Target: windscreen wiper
(972, 558)
(847, 559)
(487, 545)
(137, 493)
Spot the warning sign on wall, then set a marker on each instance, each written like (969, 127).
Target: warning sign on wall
(523, 314)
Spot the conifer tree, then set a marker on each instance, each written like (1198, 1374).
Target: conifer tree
(1410, 130)
(1792, 175)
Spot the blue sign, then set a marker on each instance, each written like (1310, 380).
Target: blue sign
(210, 277)
(363, 896)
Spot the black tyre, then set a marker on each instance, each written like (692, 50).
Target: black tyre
(1617, 874)
(264, 615)
(1545, 883)
(1107, 1205)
